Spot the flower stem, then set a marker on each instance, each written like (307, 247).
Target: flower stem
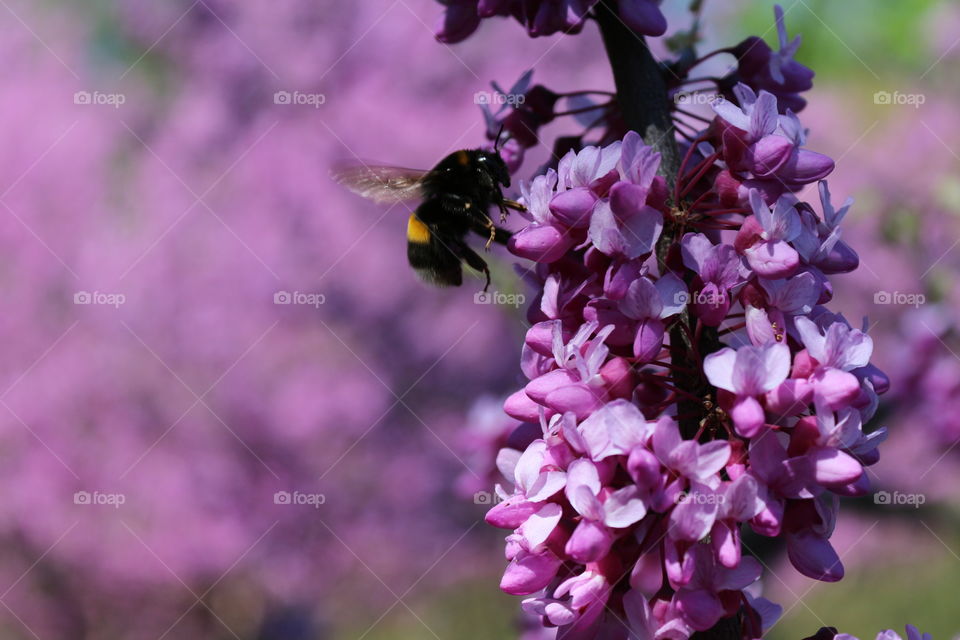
(641, 87)
(645, 104)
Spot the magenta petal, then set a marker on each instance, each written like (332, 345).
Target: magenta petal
(806, 166)
(680, 568)
(700, 608)
(511, 513)
(769, 154)
(627, 199)
(640, 232)
(790, 398)
(879, 380)
(540, 338)
(649, 340)
(832, 466)
(644, 467)
(520, 406)
(770, 520)
(605, 312)
(712, 304)
(748, 416)
(693, 517)
(859, 487)
(838, 389)
(725, 538)
(590, 542)
(578, 398)
(573, 206)
(744, 574)
(529, 572)
(840, 259)
(541, 243)
(538, 388)
(647, 573)
(773, 259)
(643, 16)
(813, 556)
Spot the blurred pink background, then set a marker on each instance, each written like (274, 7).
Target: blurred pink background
(158, 194)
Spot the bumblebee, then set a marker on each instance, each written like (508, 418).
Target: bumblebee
(456, 197)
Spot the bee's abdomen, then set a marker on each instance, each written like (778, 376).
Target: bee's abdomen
(417, 231)
(431, 255)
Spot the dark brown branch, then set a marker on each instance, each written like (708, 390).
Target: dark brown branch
(641, 88)
(645, 105)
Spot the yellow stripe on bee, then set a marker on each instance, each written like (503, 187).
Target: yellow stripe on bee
(417, 232)
(463, 158)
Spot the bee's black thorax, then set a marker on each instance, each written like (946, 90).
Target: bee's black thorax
(460, 190)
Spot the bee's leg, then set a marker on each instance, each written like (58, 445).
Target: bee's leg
(503, 211)
(509, 204)
(492, 229)
(474, 261)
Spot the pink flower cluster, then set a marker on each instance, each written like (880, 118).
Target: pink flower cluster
(687, 378)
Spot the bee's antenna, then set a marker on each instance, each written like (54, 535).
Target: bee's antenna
(496, 144)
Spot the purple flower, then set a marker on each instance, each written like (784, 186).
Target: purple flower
(649, 304)
(699, 599)
(640, 496)
(889, 634)
(764, 149)
(601, 510)
(719, 270)
(544, 17)
(783, 299)
(739, 502)
(819, 241)
(835, 354)
(545, 240)
(576, 601)
(747, 373)
(775, 71)
(688, 458)
(764, 240)
(760, 150)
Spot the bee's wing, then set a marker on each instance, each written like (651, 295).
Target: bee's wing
(380, 183)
